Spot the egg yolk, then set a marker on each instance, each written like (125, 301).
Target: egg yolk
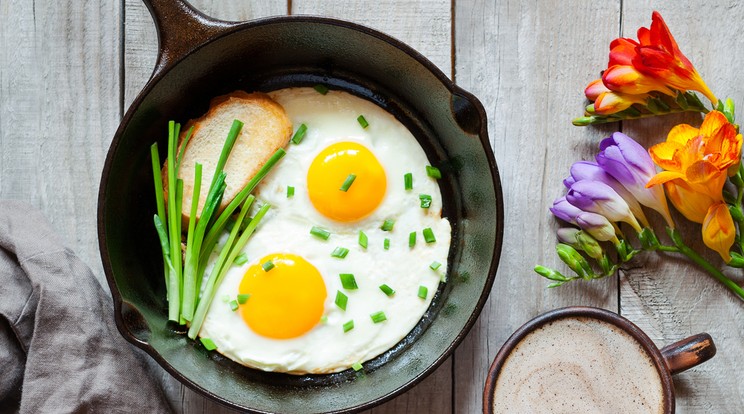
(286, 301)
(332, 168)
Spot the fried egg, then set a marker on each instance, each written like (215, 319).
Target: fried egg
(322, 301)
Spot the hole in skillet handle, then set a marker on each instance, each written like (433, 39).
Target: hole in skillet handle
(466, 113)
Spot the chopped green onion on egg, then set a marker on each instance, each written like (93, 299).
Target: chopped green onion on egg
(363, 122)
(387, 225)
(241, 259)
(357, 366)
(412, 239)
(363, 241)
(267, 265)
(386, 244)
(429, 235)
(320, 232)
(378, 317)
(321, 89)
(233, 305)
(349, 326)
(435, 265)
(290, 191)
(425, 200)
(422, 292)
(340, 252)
(348, 281)
(387, 290)
(300, 134)
(433, 172)
(348, 182)
(341, 300)
(408, 181)
(243, 298)
(208, 344)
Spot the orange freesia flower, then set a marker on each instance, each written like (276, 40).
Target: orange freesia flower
(719, 230)
(636, 69)
(697, 163)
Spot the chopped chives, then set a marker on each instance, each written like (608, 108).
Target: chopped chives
(348, 281)
(378, 317)
(243, 298)
(226, 298)
(233, 305)
(408, 181)
(267, 265)
(363, 122)
(425, 200)
(387, 290)
(290, 191)
(422, 292)
(348, 182)
(340, 252)
(412, 239)
(387, 225)
(429, 235)
(386, 244)
(349, 326)
(300, 134)
(241, 259)
(357, 366)
(324, 319)
(435, 265)
(363, 239)
(320, 232)
(321, 89)
(341, 300)
(208, 344)
(433, 172)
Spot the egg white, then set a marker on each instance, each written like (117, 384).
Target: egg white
(286, 228)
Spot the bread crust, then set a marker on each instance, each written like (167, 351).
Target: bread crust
(266, 128)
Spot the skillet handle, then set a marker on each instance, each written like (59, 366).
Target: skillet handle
(181, 29)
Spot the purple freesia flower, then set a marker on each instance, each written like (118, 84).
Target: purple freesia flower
(597, 197)
(587, 170)
(565, 210)
(598, 226)
(567, 235)
(630, 164)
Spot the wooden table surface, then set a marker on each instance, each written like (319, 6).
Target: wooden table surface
(69, 70)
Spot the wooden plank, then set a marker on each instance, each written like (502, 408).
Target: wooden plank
(665, 295)
(140, 52)
(529, 62)
(59, 82)
(426, 26)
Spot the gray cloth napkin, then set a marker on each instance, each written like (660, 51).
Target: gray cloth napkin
(59, 348)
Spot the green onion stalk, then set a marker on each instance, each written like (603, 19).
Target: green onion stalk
(184, 274)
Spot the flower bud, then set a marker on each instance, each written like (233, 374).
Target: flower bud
(589, 245)
(549, 273)
(567, 235)
(573, 259)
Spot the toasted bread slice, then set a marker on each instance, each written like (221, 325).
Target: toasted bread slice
(266, 128)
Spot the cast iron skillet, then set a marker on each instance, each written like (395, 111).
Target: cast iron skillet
(201, 58)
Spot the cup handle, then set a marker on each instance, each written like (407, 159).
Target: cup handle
(689, 352)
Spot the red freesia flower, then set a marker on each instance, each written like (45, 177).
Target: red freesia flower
(638, 68)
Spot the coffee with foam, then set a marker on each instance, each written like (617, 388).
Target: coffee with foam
(578, 365)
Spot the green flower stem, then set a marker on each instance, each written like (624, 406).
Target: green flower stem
(738, 181)
(681, 247)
